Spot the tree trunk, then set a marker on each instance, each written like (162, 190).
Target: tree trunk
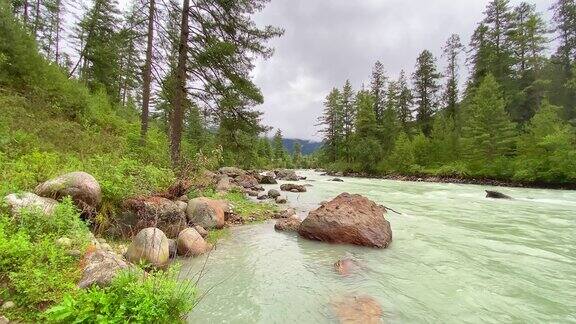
(57, 56)
(177, 119)
(26, 12)
(147, 77)
(37, 19)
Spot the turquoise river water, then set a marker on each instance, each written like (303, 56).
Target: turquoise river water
(456, 257)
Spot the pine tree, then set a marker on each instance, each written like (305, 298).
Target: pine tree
(390, 125)
(366, 149)
(278, 147)
(348, 117)
(452, 50)
(332, 122)
(378, 89)
(488, 131)
(546, 152)
(404, 103)
(297, 154)
(426, 89)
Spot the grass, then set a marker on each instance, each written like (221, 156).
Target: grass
(217, 234)
(251, 211)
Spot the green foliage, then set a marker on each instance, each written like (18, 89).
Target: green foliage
(217, 234)
(242, 205)
(131, 298)
(34, 271)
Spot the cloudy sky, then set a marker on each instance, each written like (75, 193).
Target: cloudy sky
(329, 41)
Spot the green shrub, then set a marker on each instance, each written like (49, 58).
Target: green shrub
(34, 271)
(131, 298)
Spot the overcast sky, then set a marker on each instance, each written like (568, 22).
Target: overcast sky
(329, 41)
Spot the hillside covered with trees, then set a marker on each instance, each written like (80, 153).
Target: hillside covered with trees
(515, 118)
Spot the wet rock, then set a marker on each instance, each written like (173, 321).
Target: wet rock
(358, 309)
(345, 266)
(80, 186)
(337, 180)
(268, 179)
(172, 248)
(262, 196)
(144, 212)
(292, 187)
(151, 246)
(288, 175)
(205, 212)
(496, 195)
(349, 219)
(281, 200)
(288, 224)
(273, 193)
(100, 267)
(231, 171)
(286, 213)
(191, 243)
(201, 230)
(28, 200)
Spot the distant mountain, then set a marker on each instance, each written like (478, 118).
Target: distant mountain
(308, 147)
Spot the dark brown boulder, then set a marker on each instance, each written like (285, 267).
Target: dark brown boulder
(142, 212)
(496, 195)
(267, 179)
(349, 219)
(292, 187)
(286, 174)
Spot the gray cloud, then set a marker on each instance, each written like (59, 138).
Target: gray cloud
(327, 42)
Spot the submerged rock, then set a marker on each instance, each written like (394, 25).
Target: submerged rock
(496, 195)
(349, 219)
(288, 224)
(191, 243)
(358, 309)
(80, 186)
(293, 187)
(151, 246)
(281, 200)
(337, 180)
(28, 200)
(345, 266)
(273, 193)
(100, 267)
(262, 196)
(205, 212)
(286, 213)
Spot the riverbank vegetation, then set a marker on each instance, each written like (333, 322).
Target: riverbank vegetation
(514, 120)
(86, 95)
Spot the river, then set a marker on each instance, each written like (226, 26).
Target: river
(456, 257)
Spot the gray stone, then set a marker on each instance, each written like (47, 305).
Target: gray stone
(100, 267)
(273, 193)
(80, 186)
(151, 246)
(28, 200)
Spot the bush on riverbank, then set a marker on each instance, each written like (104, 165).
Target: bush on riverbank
(154, 298)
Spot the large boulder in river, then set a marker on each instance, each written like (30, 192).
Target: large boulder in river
(292, 187)
(150, 246)
(80, 186)
(286, 174)
(143, 212)
(191, 243)
(28, 200)
(273, 193)
(100, 267)
(496, 195)
(205, 212)
(349, 219)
